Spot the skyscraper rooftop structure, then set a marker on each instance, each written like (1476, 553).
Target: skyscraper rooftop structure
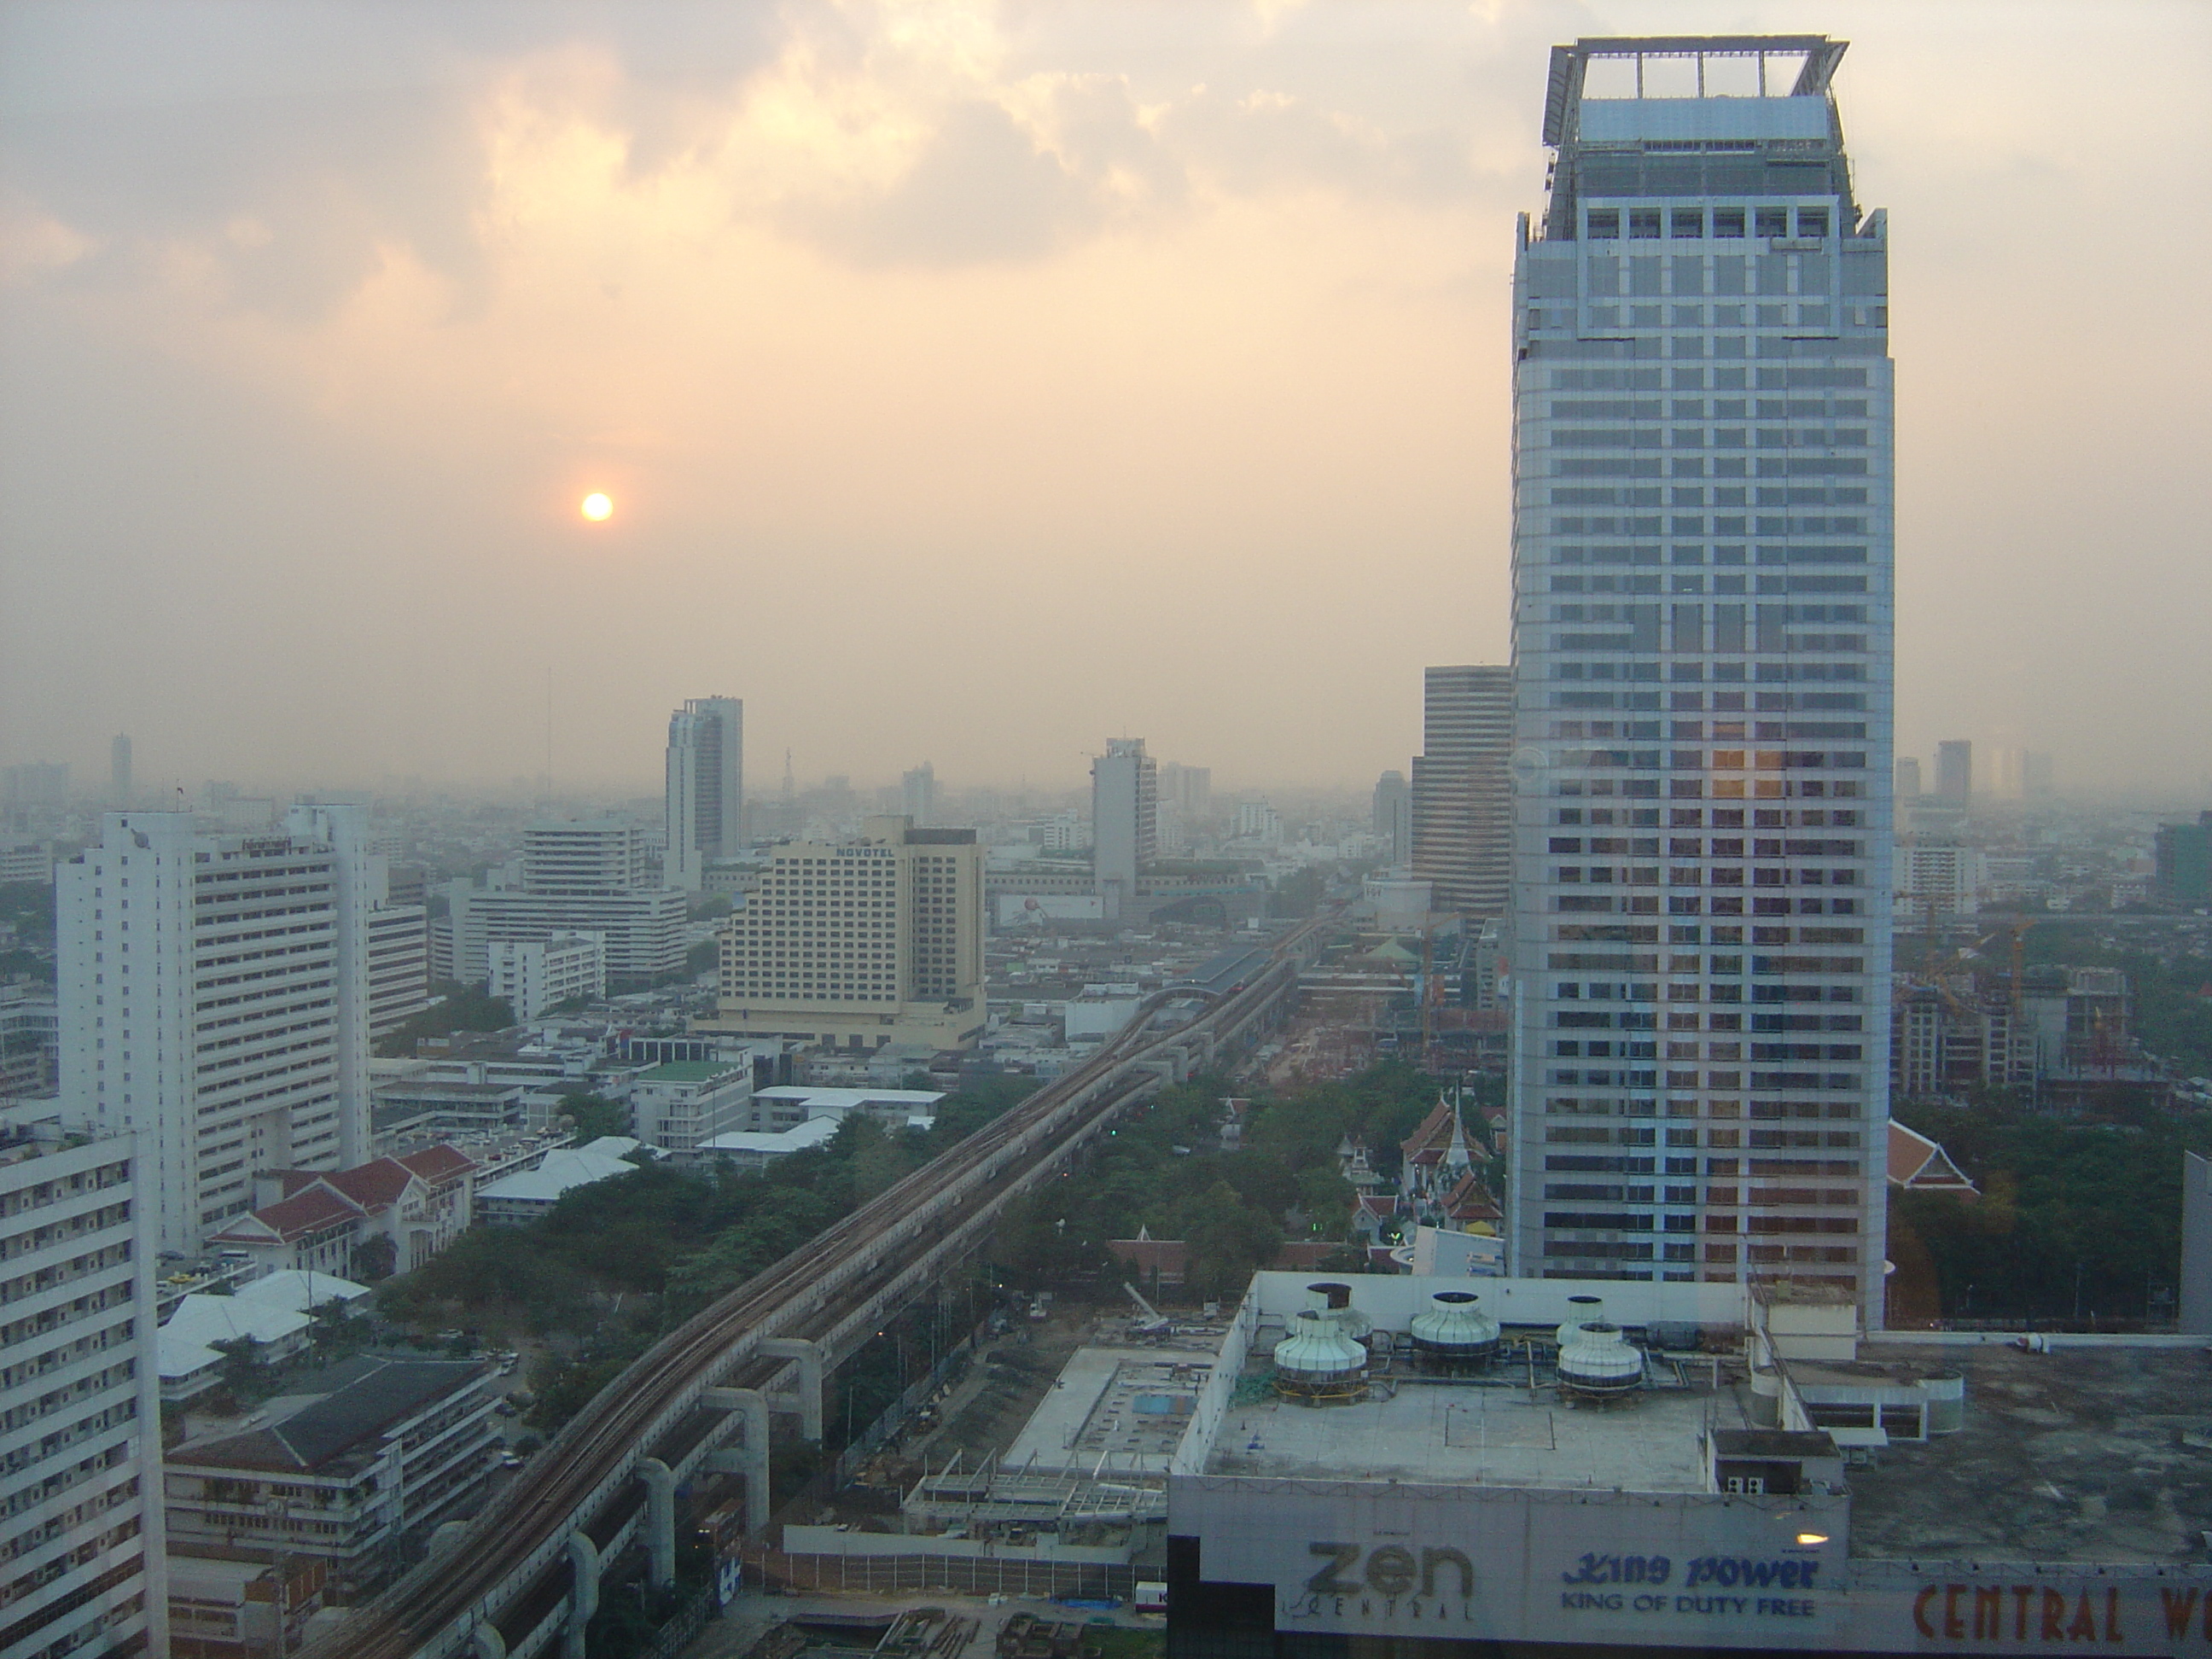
(1702, 652)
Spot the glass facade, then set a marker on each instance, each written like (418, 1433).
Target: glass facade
(1702, 558)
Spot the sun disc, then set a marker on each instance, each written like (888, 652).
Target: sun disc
(597, 506)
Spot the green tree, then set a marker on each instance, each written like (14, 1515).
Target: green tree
(464, 1008)
(594, 1116)
(246, 1370)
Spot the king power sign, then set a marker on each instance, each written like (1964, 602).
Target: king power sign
(1686, 1569)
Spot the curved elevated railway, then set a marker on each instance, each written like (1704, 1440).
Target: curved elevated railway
(501, 1585)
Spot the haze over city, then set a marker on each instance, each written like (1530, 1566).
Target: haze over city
(978, 382)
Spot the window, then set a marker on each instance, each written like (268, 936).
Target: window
(1604, 224)
(1643, 224)
(1688, 222)
(1772, 221)
(1728, 222)
(1812, 222)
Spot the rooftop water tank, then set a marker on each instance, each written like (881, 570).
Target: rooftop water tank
(1598, 1363)
(1317, 1363)
(1334, 1300)
(1454, 1334)
(1581, 1310)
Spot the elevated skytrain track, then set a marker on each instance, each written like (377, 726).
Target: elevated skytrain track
(523, 1573)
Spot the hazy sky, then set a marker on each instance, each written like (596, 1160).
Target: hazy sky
(977, 382)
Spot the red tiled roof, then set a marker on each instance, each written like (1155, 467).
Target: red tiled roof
(438, 1162)
(304, 1212)
(1438, 1119)
(375, 1186)
(1167, 1256)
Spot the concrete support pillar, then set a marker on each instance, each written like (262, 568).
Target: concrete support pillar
(583, 1594)
(659, 1521)
(486, 1642)
(751, 1405)
(812, 1381)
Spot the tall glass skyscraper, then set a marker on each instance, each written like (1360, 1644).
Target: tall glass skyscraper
(1702, 554)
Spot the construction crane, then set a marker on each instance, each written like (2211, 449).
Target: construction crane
(1150, 1321)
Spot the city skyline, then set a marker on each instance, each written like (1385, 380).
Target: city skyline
(1259, 313)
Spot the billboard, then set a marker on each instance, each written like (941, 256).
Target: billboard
(1603, 1566)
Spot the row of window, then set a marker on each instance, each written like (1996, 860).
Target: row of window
(1692, 224)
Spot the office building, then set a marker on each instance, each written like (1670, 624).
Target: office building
(80, 1546)
(2181, 862)
(1936, 877)
(35, 785)
(118, 771)
(1461, 801)
(1393, 819)
(1955, 772)
(1190, 789)
(1908, 777)
(706, 788)
(535, 976)
(1124, 821)
(214, 994)
(860, 943)
(572, 878)
(1702, 649)
(678, 1106)
(918, 795)
(31, 861)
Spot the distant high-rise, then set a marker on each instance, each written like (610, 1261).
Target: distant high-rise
(1462, 806)
(1394, 818)
(2183, 862)
(918, 795)
(706, 788)
(1908, 777)
(1190, 788)
(1702, 549)
(118, 771)
(215, 1000)
(1124, 820)
(1955, 772)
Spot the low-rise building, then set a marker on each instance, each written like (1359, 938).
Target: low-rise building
(780, 1107)
(390, 1215)
(276, 1312)
(754, 1150)
(27, 861)
(378, 1455)
(678, 1106)
(535, 976)
(528, 1194)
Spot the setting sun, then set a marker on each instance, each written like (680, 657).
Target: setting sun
(597, 506)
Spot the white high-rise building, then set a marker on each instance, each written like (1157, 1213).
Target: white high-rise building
(1702, 653)
(584, 878)
(918, 795)
(1124, 820)
(215, 997)
(81, 1513)
(706, 788)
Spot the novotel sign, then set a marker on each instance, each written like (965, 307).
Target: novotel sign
(1686, 1569)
